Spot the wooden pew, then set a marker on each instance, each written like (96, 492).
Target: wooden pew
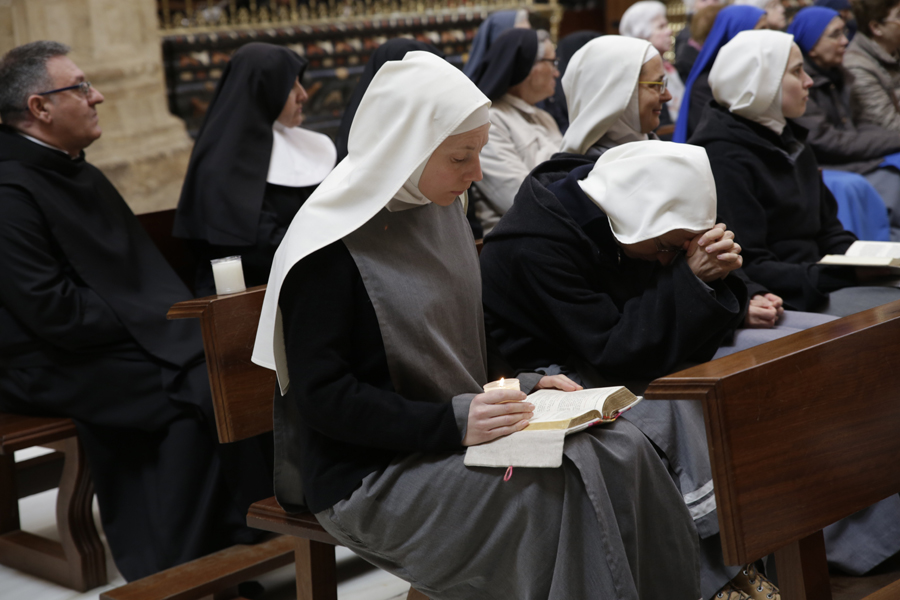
(802, 432)
(242, 396)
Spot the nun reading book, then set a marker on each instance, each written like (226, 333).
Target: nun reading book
(252, 166)
(373, 323)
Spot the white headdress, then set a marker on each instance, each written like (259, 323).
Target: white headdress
(650, 188)
(411, 106)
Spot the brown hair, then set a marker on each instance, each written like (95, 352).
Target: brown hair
(702, 22)
(866, 11)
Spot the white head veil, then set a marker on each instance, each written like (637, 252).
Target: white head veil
(652, 188)
(637, 22)
(601, 92)
(747, 76)
(411, 106)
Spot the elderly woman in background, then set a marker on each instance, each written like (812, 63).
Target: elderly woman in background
(518, 72)
(382, 372)
(697, 95)
(646, 20)
(839, 141)
(872, 59)
(252, 166)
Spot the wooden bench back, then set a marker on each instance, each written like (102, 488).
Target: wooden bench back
(802, 431)
(242, 392)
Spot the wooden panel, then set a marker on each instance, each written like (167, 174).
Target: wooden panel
(205, 576)
(242, 391)
(802, 430)
(890, 592)
(316, 570)
(269, 516)
(18, 432)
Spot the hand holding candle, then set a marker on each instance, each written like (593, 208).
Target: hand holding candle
(497, 412)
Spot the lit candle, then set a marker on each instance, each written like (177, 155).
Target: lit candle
(228, 274)
(503, 384)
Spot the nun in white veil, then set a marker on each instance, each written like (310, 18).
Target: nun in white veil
(373, 322)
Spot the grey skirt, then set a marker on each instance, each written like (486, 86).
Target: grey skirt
(609, 524)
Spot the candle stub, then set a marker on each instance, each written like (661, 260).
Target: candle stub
(228, 275)
(502, 384)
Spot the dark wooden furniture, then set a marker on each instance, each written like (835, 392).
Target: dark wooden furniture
(78, 560)
(213, 577)
(802, 432)
(242, 396)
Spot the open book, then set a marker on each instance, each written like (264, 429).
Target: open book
(867, 254)
(556, 414)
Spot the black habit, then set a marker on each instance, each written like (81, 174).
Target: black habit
(771, 195)
(558, 290)
(227, 207)
(82, 310)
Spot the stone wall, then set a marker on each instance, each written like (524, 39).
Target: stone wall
(144, 149)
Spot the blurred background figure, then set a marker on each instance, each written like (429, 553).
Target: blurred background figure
(685, 52)
(489, 31)
(252, 167)
(775, 17)
(518, 71)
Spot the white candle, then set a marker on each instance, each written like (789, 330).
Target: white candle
(503, 384)
(228, 274)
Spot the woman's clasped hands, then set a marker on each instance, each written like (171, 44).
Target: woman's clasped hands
(713, 254)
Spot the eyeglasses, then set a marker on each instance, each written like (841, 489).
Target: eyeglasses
(838, 33)
(552, 61)
(895, 19)
(84, 87)
(658, 86)
(661, 248)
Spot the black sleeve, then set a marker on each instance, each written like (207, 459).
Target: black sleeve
(835, 146)
(676, 318)
(40, 290)
(333, 346)
(701, 96)
(741, 210)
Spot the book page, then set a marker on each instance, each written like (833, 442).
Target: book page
(556, 405)
(874, 249)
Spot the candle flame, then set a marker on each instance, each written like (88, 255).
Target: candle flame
(501, 381)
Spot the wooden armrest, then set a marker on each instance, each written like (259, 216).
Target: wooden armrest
(18, 432)
(802, 431)
(242, 392)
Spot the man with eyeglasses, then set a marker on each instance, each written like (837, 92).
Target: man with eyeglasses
(83, 330)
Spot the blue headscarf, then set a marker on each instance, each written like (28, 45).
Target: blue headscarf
(840, 5)
(809, 24)
(487, 33)
(729, 22)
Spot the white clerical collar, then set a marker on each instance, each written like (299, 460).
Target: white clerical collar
(44, 144)
(300, 157)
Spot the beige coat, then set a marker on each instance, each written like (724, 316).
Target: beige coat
(522, 136)
(876, 88)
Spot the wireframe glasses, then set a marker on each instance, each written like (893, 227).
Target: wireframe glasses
(660, 247)
(552, 61)
(84, 87)
(657, 86)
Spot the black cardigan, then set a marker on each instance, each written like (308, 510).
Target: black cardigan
(771, 195)
(555, 286)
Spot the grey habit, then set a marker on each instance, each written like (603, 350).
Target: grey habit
(608, 524)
